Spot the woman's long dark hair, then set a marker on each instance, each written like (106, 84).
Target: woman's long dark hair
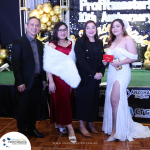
(111, 35)
(56, 28)
(84, 36)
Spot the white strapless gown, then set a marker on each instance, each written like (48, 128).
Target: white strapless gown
(126, 128)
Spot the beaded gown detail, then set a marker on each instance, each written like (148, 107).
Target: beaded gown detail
(62, 100)
(126, 128)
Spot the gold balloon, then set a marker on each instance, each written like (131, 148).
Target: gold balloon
(54, 19)
(147, 64)
(3, 53)
(72, 36)
(43, 27)
(33, 13)
(41, 11)
(52, 13)
(48, 23)
(1, 62)
(56, 9)
(38, 16)
(147, 53)
(60, 18)
(0, 46)
(74, 40)
(48, 15)
(52, 32)
(52, 26)
(49, 28)
(47, 8)
(80, 33)
(148, 48)
(49, 4)
(39, 6)
(44, 18)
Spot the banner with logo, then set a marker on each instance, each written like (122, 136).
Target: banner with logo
(138, 99)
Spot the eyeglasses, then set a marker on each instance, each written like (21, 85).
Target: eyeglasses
(62, 30)
(90, 28)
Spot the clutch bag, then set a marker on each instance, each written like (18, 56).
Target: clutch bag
(118, 67)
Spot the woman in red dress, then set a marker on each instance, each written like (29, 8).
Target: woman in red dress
(59, 79)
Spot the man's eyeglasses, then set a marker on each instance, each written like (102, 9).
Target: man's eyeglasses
(62, 30)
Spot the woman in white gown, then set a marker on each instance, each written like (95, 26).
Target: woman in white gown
(117, 121)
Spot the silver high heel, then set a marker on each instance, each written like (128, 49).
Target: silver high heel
(110, 139)
(61, 129)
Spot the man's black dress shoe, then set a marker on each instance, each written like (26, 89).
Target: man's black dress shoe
(35, 133)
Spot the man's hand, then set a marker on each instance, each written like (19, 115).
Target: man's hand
(21, 88)
(98, 76)
(44, 85)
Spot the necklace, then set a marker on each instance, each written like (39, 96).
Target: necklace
(64, 44)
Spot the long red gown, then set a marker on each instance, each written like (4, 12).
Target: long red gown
(62, 100)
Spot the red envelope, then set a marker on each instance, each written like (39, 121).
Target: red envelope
(108, 58)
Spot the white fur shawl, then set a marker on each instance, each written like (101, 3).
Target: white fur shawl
(61, 65)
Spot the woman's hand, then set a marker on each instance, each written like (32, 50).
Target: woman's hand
(104, 62)
(52, 87)
(98, 76)
(115, 63)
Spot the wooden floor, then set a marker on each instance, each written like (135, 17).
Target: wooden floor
(54, 140)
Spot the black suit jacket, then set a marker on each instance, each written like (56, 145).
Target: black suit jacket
(85, 60)
(23, 62)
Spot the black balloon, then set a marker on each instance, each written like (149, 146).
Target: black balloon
(46, 33)
(9, 58)
(9, 47)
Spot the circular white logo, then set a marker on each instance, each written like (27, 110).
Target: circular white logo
(14, 141)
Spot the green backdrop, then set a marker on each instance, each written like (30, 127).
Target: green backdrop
(138, 77)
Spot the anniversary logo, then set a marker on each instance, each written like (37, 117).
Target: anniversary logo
(137, 13)
(14, 141)
(103, 5)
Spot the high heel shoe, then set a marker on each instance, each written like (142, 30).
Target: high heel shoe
(72, 138)
(110, 139)
(61, 129)
(85, 134)
(92, 130)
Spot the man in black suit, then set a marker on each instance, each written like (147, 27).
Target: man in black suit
(27, 62)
